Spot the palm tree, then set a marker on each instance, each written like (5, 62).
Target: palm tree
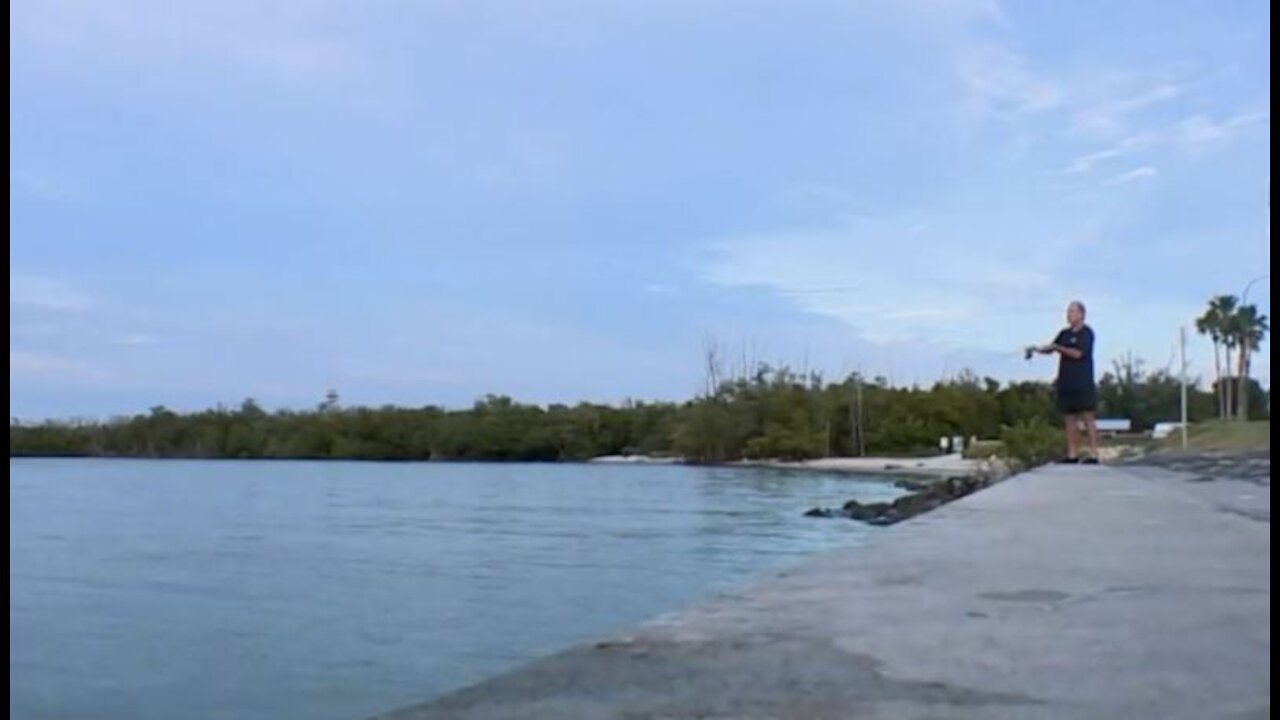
(1226, 307)
(1214, 323)
(1209, 324)
(1248, 328)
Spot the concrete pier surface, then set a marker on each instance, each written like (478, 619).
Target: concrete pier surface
(1067, 592)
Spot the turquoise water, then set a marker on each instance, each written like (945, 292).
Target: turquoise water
(163, 589)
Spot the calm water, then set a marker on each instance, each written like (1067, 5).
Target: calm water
(334, 590)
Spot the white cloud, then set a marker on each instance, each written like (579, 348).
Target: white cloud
(1191, 133)
(1127, 146)
(29, 366)
(999, 78)
(660, 289)
(1141, 173)
(1112, 116)
(294, 45)
(1202, 130)
(46, 294)
(397, 376)
(1085, 163)
(33, 330)
(892, 282)
(951, 311)
(40, 186)
(307, 57)
(136, 340)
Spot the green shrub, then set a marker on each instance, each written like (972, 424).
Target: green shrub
(780, 443)
(1028, 444)
(983, 450)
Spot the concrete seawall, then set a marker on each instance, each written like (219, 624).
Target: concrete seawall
(1068, 592)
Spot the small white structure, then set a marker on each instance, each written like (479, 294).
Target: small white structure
(1114, 425)
(1164, 429)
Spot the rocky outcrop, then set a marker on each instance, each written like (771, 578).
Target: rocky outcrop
(925, 495)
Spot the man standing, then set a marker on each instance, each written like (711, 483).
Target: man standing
(1077, 393)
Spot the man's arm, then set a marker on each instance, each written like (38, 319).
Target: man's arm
(1060, 346)
(1057, 346)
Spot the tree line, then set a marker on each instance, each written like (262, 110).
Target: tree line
(766, 412)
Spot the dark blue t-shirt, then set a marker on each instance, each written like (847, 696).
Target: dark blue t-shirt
(1075, 375)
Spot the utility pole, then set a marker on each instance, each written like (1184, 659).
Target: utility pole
(853, 424)
(862, 437)
(1242, 393)
(857, 442)
(1182, 351)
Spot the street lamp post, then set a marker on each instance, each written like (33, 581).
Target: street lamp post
(1182, 344)
(1244, 294)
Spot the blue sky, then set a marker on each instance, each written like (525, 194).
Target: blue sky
(424, 202)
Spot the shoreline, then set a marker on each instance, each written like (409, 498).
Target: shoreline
(929, 482)
(934, 466)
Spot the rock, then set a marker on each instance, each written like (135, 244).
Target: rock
(855, 510)
(914, 484)
(925, 497)
(1253, 466)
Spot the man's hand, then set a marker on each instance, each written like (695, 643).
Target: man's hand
(1042, 349)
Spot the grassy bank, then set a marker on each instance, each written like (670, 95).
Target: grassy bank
(1223, 436)
(1212, 436)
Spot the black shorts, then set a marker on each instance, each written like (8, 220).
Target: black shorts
(1074, 402)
